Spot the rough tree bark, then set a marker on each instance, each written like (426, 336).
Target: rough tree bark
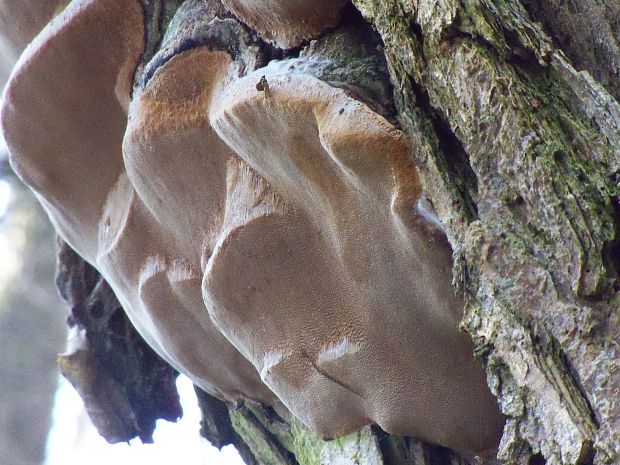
(530, 210)
(515, 127)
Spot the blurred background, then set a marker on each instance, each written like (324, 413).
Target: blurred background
(42, 419)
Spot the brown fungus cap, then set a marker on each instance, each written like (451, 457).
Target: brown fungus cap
(288, 22)
(64, 116)
(342, 297)
(179, 166)
(173, 157)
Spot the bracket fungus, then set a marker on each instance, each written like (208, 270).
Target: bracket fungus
(64, 117)
(288, 22)
(345, 292)
(271, 242)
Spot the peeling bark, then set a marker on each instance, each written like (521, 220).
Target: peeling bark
(125, 386)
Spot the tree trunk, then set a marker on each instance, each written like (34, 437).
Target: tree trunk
(31, 328)
(519, 154)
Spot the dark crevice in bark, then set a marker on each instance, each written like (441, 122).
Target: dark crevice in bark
(452, 154)
(536, 459)
(157, 16)
(440, 455)
(402, 450)
(349, 12)
(216, 36)
(416, 29)
(215, 425)
(390, 452)
(152, 27)
(611, 250)
(521, 57)
(245, 452)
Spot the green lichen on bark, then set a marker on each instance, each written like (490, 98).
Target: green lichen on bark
(276, 439)
(264, 446)
(542, 143)
(307, 445)
(277, 435)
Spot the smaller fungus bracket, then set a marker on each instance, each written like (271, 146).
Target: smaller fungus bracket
(288, 22)
(173, 157)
